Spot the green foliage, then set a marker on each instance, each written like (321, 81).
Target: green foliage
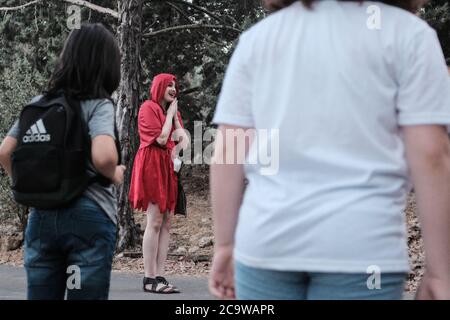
(437, 13)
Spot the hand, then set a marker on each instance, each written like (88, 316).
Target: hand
(432, 288)
(221, 278)
(173, 108)
(118, 175)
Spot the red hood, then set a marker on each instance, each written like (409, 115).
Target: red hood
(160, 84)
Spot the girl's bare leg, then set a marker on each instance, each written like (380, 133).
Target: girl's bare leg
(163, 243)
(150, 243)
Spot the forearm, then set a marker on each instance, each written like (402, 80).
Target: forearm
(178, 133)
(6, 164)
(177, 122)
(107, 169)
(7, 148)
(165, 132)
(432, 187)
(227, 188)
(104, 155)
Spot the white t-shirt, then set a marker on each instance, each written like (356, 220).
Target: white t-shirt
(338, 91)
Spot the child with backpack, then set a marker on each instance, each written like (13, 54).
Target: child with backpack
(63, 159)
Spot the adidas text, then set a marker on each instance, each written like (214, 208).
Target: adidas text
(36, 138)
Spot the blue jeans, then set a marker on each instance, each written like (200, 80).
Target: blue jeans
(69, 248)
(262, 284)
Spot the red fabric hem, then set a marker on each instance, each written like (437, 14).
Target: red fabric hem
(153, 180)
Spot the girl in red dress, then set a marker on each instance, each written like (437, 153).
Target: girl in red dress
(154, 182)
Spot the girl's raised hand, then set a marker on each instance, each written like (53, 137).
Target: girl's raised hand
(173, 108)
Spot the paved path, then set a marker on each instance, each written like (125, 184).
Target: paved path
(124, 286)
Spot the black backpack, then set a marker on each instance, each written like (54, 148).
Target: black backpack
(50, 161)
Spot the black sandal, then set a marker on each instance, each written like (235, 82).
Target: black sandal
(154, 288)
(165, 282)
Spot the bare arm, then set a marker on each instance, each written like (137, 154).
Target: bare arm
(167, 127)
(177, 122)
(165, 132)
(180, 134)
(7, 147)
(227, 188)
(105, 158)
(428, 155)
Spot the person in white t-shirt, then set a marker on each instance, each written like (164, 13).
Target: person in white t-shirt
(349, 103)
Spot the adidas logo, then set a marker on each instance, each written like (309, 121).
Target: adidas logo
(37, 133)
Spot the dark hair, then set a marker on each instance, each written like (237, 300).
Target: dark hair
(89, 64)
(409, 5)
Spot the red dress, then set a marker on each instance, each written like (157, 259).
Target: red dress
(153, 177)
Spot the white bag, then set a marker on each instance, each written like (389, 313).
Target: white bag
(177, 164)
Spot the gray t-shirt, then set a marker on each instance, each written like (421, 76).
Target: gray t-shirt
(99, 115)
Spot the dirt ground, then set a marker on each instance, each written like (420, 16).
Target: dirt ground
(191, 244)
(187, 254)
(415, 244)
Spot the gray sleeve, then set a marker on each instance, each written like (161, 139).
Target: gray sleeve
(101, 121)
(14, 131)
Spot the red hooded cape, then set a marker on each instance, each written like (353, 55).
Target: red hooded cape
(153, 178)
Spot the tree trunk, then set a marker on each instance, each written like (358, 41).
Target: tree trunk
(130, 34)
